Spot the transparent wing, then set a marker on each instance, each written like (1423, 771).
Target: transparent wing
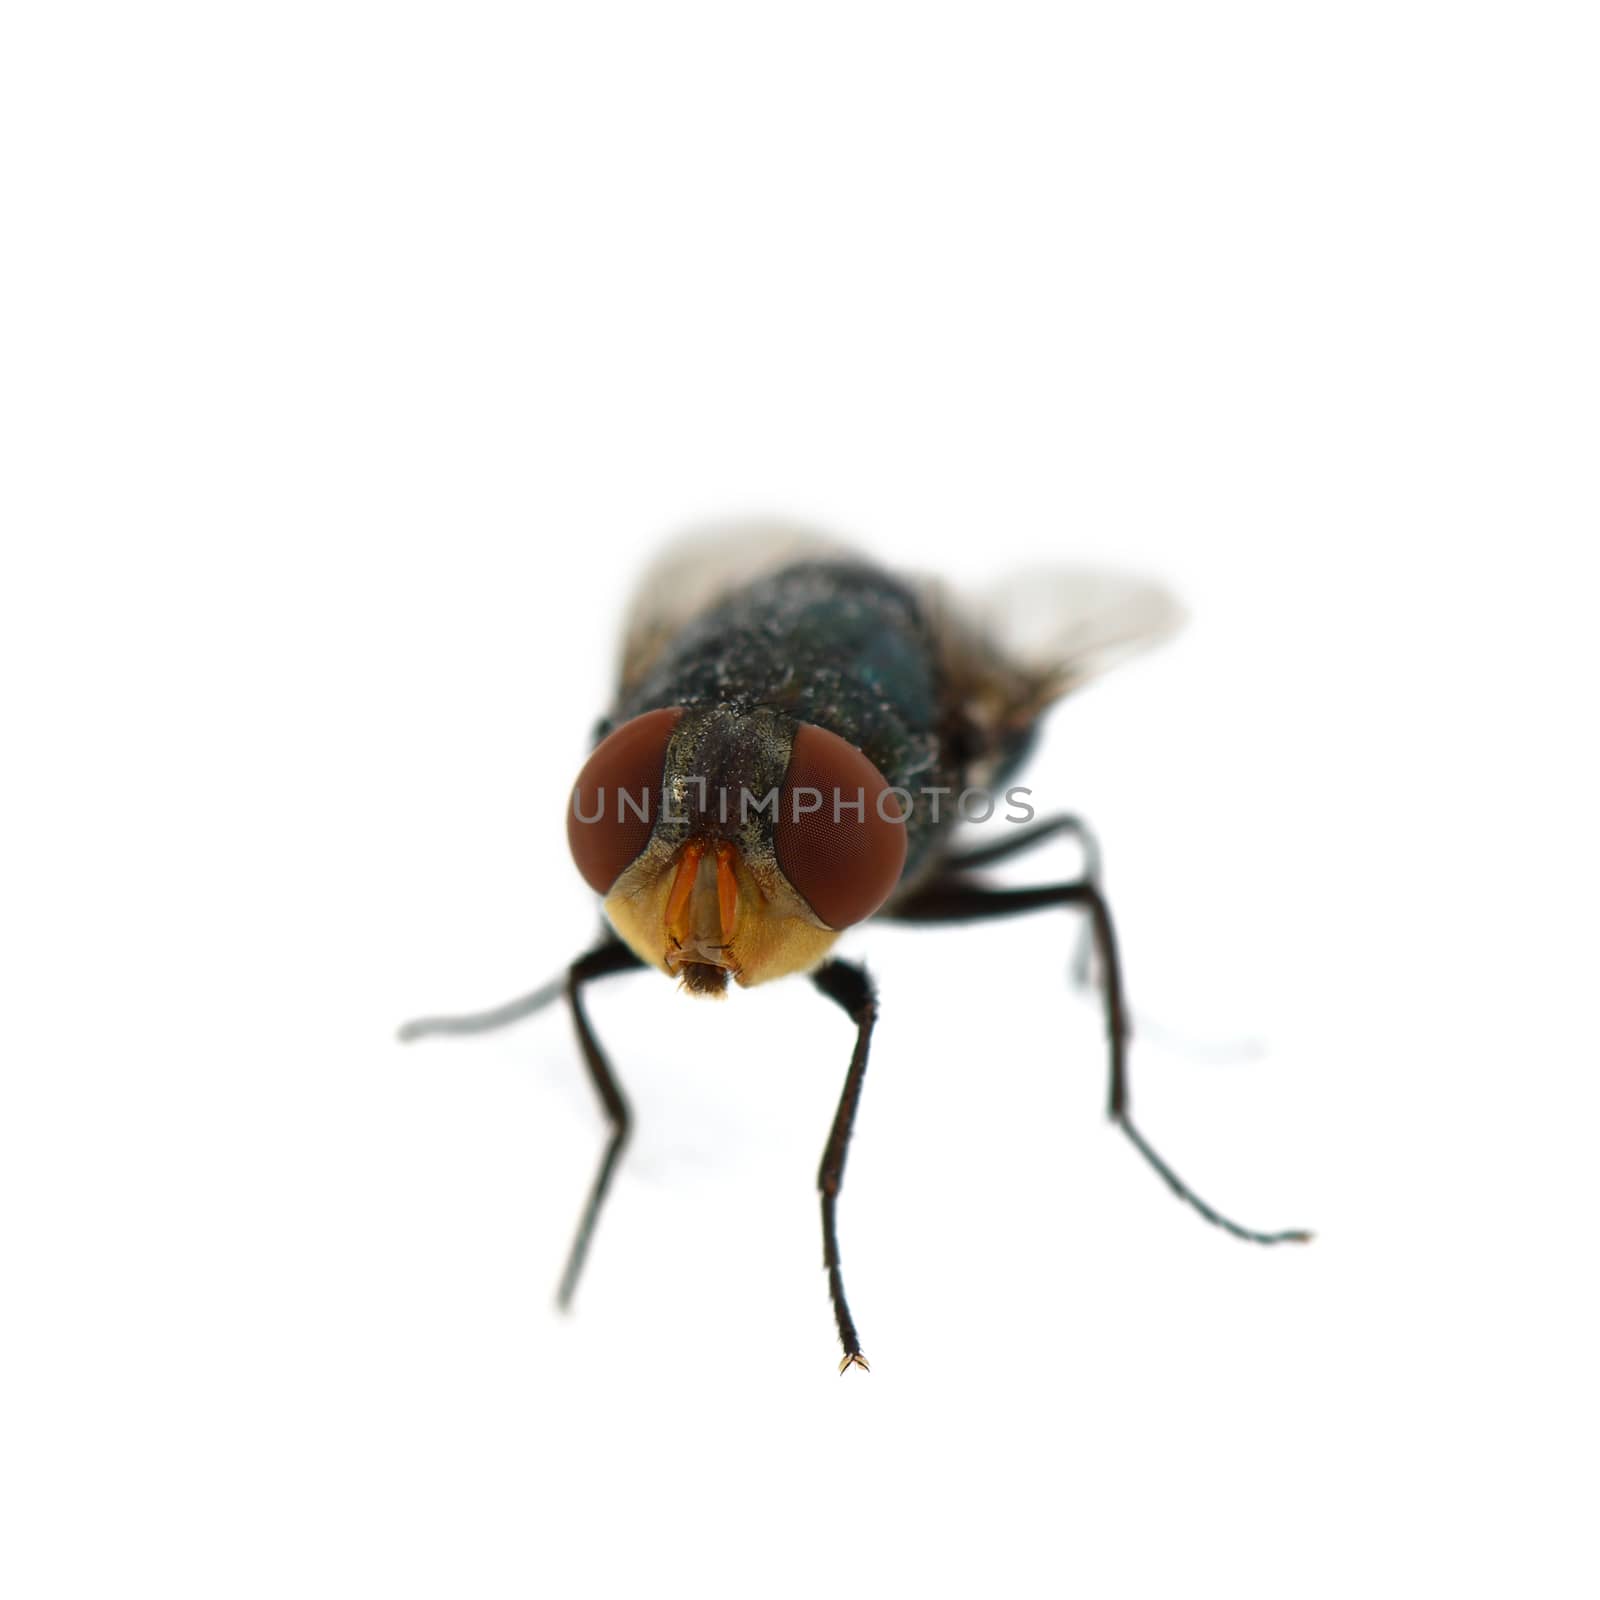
(1071, 624)
(1006, 652)
(1011, 651)
(699, 568)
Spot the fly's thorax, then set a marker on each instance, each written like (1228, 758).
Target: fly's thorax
(828, 640)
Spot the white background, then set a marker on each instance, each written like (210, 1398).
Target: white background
(355, 358)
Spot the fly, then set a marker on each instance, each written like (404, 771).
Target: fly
(795, 734)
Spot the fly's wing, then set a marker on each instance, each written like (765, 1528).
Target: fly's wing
(1011, 652)
(1071, 624)
(1005, 654)
(697, 569)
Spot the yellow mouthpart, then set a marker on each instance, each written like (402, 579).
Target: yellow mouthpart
(707, 907)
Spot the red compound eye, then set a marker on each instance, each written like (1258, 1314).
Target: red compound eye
(839, 837)
(614, 803)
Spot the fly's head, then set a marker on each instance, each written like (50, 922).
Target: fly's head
(732, 842)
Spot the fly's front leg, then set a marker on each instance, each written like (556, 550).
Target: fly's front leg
(601, 962)
(850, 988)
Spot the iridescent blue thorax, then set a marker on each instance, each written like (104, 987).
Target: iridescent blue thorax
(835, 643)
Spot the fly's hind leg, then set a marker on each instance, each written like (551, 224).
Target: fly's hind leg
(956, 900)
(1027, 836)
(1021, 838)
(484, 1021)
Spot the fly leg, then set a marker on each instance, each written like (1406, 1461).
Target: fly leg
(1022, 838)
(952, 900)
(603, 961)
(1025, 837)
(484, 1021)
(850, 988)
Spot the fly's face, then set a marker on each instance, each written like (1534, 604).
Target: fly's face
(705, 917)
(733, 843)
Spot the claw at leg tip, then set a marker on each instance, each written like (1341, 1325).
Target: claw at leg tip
(856, 1360)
